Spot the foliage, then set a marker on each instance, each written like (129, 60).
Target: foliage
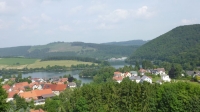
(3, 95)
(180, 45)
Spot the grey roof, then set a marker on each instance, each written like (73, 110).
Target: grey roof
(134, 78)
(192, 72)
(133, 72)
(72, 84)
(48, 95)
(144, 77)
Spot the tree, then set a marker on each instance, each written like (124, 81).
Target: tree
(3, 95)
(137, 66)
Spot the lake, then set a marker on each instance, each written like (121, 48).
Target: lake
(74, 73)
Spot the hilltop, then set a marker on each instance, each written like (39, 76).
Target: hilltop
(180, 45)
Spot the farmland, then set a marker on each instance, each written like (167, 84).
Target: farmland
(20, 63)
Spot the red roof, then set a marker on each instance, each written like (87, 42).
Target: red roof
(55, 87)
(117, 73)
(40, 110)
(35, 93)
(118, 78)
(6, 87)
(12, 93)
(20, 86)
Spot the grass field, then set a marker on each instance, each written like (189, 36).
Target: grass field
(20, 63)
(16, 61)
(67, 63)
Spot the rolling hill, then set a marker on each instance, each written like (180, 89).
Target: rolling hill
(180, 45)
(79, 49)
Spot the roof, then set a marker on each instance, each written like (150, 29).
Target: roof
(133, 72)
(12, 93)
(35, 93)
(20, 86)
(160, 69)
(144, 77)
(142, 70)
(135, 78)
(55, 87)
(6, 87)
(118, 78)
(63, 79)
(117, 73)
(48, 95)
(40, 110)
(72, 84)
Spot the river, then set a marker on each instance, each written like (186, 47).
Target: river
(74, 73)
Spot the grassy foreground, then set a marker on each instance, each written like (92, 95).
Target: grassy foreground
(20, 63)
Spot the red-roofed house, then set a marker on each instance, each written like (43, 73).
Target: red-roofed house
(10, 95)
(56, 88)
(6, 87)
(20, 86)
(118, 78)
(40, 110)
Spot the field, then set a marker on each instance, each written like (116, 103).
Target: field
(67, 63)
(16, 61)
(20, 63)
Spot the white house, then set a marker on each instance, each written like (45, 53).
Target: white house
(133, 73)
(37, 87)
(165, 78)
(127, 74)
(146, 78)
(72, 84)
(135, 78)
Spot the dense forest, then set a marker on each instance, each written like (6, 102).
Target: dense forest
(78, 49)
(180, 45)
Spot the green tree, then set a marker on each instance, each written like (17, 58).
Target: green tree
(3, 95)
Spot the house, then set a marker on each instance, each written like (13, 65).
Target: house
(56, 88)
(146, 78)
(72, 84)
(154, 72)
(161, 71)
(6, 87)
(165, 78)
(142, 71)
(20, 86)
(11, 95)
(38, 96)
(133, 73)
(118, 79)
(117, 74)
(135, 78)
(62, 80)
(127, 74)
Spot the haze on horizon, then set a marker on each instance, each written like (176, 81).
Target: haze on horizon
(38, 22)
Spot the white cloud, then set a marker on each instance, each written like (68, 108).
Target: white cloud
(115, 16)
(26, 19)
(187, 21)
(3, 24)
(76, 9)
(45, 17)
(2, 6)
(96, 8)
(105, 26)
(65, 28)
(144, 12)
(49, 32)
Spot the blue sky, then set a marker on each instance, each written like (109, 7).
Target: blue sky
(38, 22)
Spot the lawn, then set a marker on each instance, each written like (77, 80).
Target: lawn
(155, 79)
(67, 63)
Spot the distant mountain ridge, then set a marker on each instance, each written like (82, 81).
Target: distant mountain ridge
(99, 51)
(128, 43)
(180, 45)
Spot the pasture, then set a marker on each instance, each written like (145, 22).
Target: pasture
(20, 63)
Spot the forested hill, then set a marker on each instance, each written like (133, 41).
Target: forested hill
(80, 49)
(180, 45)
(128, 43)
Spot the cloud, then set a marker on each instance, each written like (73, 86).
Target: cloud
(115, 16)
(144, 12)
(2, 6)
(188, 22)
(4, 25)
(105, 26)
(76, 9)
(28, 23)
(45, 17)
(65, 28)
(96, 8)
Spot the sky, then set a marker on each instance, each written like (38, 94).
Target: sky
(39, 22)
